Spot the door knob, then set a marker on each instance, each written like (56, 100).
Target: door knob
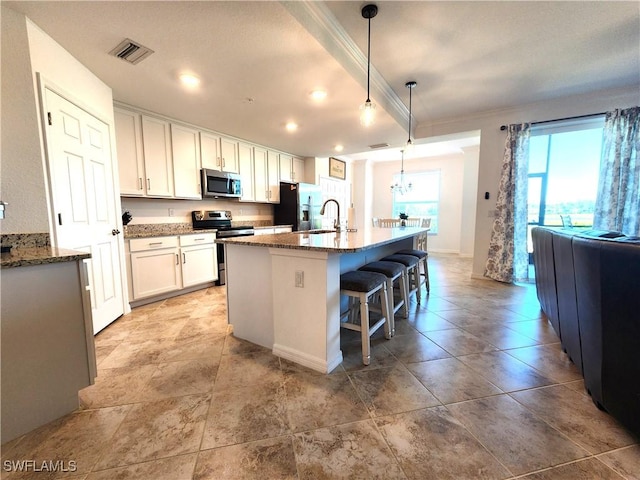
(115, 231)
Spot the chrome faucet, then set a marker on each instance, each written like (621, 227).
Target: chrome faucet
(336, 223)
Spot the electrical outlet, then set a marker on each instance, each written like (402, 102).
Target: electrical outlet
(299, 279)
(171, 212)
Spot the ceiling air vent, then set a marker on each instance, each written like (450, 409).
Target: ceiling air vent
(131, 51)
(379, 145)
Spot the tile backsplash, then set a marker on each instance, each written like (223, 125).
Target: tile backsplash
(154, 210)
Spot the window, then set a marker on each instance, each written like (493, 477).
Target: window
(422, 200)
(564, 164)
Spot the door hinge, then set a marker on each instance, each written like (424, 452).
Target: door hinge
(49, 118)
(59, 219)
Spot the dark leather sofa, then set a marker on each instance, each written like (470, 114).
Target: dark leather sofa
(588, 284)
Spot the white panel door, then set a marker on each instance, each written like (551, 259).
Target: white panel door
(84, 202)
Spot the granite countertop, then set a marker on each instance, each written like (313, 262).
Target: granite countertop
(149, 230)
(22, 257)
(271, 226)
(343, 242)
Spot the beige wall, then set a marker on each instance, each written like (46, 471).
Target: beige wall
(492, 145)
(452, 198)
(22, 175)
(26, 52)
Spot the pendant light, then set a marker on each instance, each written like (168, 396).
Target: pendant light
(367, 109)
(409, 146)
(400, 186)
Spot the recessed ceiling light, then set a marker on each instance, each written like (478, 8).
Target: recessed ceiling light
(338, 148)
(291, 126)
(189, 80)
(319, 95)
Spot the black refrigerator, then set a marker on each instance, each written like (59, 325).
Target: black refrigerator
(299, 206)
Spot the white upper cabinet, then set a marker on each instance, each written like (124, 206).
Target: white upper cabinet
(158, 157)
(260, 175)
(156, 144)
(219, 153)
(273, 171)
(185, 146)
(298, 170)
(246, 164)
(128, 130)
(210, 151)
(286, 167)
(229, 150)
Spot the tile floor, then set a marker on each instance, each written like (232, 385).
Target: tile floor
(473, 385)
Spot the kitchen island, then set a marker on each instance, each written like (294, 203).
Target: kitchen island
(283, 290)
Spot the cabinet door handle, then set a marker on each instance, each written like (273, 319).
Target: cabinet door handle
(223, 163)
(177, 259)
(184, 258)
(218, 161)
(199, 239)
(140, 183)
(151, 244)
(148, 184)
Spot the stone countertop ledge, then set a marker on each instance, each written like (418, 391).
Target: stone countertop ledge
(328, 241)
(22, 257)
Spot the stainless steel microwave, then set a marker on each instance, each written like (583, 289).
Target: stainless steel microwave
(220, 184)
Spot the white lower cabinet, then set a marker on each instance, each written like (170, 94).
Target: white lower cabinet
(199, 259)
(155, 271)
(161, 265)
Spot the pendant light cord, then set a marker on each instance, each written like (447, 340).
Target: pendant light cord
(368, 58)
(410, 114)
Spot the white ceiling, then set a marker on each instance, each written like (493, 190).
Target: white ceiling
(467, 57)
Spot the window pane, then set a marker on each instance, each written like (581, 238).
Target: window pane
(538, 153)
(535, 192)
(574, 165)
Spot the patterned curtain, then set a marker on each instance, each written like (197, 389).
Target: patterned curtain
(618, 200)
(508, 259)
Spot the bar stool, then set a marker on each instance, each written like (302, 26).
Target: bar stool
(422, 259)
(359, 286)
(412, 275)
(393, 271)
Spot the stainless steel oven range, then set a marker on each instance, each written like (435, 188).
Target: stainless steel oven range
(221, 221)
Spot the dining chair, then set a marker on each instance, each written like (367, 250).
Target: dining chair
(389, 222)
(413, 222)
(421, 240)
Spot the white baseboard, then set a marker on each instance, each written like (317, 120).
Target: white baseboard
(314, 363)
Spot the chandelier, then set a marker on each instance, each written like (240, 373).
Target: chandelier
(400, 186)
